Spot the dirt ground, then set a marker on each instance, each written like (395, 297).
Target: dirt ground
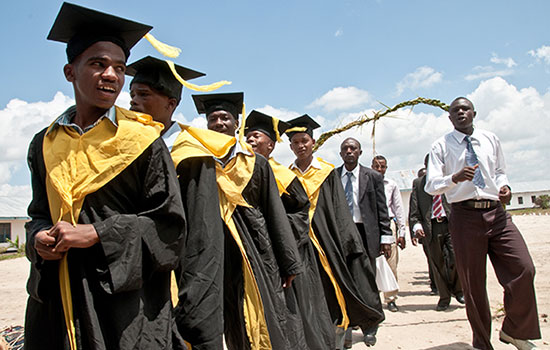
(416, 326)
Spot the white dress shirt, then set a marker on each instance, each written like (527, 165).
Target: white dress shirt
(355, 183)
(314, 164)
(170, 136)
(395, 205)
(448, 156)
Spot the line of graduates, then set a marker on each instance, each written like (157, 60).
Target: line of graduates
(150, 234)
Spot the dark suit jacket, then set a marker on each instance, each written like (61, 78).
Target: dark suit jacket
(373, 207)
(420, 208)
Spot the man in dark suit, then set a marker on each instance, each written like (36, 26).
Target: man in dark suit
(428, 221)
(364, 189)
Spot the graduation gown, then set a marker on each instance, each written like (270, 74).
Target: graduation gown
(271, 251)
(120, 286)
(305, 299)
(334, 230)
(199, 312)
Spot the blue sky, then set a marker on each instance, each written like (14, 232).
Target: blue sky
(331, 59)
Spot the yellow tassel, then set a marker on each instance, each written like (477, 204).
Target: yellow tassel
(203, 88)
(276, 128)
(296, 129)
(164, 49)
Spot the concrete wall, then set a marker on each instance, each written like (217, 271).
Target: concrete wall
(17, 229)
(523, 200)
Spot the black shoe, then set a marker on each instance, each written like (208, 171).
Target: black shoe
(433, 291)
(460, 299)
(442, 305)
(392, 307)
(369, 339)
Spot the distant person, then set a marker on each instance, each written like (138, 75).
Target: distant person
(467, 165)
(421, 172)
(397, 217)
(428, 217)
(364, 190)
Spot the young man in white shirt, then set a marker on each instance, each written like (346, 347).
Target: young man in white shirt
(467, 165)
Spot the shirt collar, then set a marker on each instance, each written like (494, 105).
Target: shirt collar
(171, 135)
(66, 119)
(314, 164)
(355, 171)
(460, 136)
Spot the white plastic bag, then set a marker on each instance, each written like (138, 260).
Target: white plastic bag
(385, 280)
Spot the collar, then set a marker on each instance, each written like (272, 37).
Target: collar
(171, 135)
(460, 136)
(314, 164)
(355, 171)
(66, 119)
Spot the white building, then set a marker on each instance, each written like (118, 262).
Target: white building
(525, 193)
(13, 216)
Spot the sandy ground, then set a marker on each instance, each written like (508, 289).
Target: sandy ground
(417, 326)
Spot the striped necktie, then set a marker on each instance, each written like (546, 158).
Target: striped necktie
(471, 160)
(349, 191)
(437, 207)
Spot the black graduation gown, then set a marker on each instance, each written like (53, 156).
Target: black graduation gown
(199, 313)
(272, 251)
(333, 225)
(306, 298)
(120, 286)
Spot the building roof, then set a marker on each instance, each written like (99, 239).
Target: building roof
(404, 178)
(530, 186)
(13, 207)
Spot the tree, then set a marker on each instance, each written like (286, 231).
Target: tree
(543, 201)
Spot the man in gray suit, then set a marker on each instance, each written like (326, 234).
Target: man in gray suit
(364, 189)
(428, 221)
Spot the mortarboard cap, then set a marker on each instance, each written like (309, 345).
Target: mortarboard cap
(156, 73)
(270, 126)
(230, 102)
(81, 27)
(303, 123)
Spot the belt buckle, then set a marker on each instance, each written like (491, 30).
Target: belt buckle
(439, 219)
(482, 205)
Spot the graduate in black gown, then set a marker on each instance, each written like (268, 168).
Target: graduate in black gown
(261, 255)
(349, 281)
(106, 222)
(311, 321)
(199, 313)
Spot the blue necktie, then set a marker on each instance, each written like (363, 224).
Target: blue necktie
(471, 160)
(349, 192)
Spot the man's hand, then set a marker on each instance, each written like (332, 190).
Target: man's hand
(287, 281)
(414, 241)
(401, 242)
(465, 174)
(44, 245)
(68, 236)
(386, 250)
(504, 195)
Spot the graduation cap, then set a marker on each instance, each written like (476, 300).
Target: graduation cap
(272, 127)
(303, 123)
(230, 102)
(81, 27)
(156, 73)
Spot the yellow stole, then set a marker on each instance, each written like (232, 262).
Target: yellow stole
(232, 180)
(77, 165)
(283, 175)
(312, 181)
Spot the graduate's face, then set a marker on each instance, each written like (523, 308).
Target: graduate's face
(148, 100)
(462, 114)
(97, 75)
(302, 145)
(260, 142)
(222, 122)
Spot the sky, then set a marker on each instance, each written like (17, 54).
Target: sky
(334, 60)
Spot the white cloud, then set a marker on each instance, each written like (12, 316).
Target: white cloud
(339, 32)
(341, 98)
(541, 54)
(508, 62)
(422, 77)
(487, 72)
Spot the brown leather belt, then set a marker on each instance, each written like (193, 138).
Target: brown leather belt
(479, 204)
